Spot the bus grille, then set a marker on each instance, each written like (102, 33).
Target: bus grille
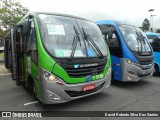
(83, 72)
(146, 62)
(145, 59)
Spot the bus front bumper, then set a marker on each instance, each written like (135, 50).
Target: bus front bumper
(53, 93)
(135, 72)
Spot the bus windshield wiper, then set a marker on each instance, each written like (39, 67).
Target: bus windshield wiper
(76, 39)
(142, 37)
(89, 39)
(139, 41)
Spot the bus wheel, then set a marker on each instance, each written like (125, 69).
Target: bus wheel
(156, 70)
(31, 86)
(112, 79)
(34, 91)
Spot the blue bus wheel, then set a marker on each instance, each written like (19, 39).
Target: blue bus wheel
(156, 71)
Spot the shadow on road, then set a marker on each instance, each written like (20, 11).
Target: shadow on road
(131, 85)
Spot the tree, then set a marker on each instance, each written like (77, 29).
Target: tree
(145, 25)
(11, 12)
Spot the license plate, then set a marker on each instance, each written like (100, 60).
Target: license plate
(88, 87)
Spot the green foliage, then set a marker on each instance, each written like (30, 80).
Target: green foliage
(145, 25)
(10, 13)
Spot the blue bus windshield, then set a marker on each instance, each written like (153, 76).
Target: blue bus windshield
(133, 40)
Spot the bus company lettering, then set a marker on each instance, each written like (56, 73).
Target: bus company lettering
(88, 65)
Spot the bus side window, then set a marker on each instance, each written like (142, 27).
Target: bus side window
(25, 37)
(111, 37)
(154, 41)
(112, 40)
(156, 44)
(31, 45)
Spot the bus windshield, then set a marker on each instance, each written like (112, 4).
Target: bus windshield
(58, 35)
(135, 39)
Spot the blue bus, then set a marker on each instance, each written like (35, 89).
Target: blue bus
(154, 39)
(131, 53)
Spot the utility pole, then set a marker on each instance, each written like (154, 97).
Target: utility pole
(151, 19)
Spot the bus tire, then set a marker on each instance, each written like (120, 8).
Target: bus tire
(112, 79)
(156, 70)
(32, 88)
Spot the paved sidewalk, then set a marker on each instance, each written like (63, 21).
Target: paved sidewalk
(1, 59)
(3, 70)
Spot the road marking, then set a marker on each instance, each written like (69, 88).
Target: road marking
(29, 103)
(5, 74)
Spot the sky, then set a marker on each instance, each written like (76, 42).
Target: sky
(131, 11)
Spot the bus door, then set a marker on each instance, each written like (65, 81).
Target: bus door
(9, 53)
(6, 52)
(19, 56)
(30, 52)
(13, 61)
(112, 39)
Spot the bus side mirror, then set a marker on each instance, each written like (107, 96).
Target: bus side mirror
(28, 24)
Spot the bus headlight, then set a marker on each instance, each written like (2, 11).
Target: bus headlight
(131, 62)
(50, 77)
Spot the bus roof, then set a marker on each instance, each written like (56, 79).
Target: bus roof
(112, 22)
(61, 14)
(50, 13)
(152, 33)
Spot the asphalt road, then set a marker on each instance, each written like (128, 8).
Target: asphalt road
(134, 96)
